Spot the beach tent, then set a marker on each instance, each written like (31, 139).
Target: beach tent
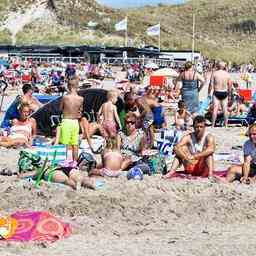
(48, 116)
(12, 111)
(169, 72)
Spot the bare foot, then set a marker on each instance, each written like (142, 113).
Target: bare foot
(168, 175)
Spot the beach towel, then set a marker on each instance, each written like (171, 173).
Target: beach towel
(54, 153)
(39, 226)
(183, 175)
(166, 140)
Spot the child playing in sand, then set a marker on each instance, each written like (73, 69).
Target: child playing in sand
(71, 106)
(110, 117)
(111, 161)
(182, 117)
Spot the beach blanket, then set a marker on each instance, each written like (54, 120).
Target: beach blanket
(54, 153)
(183, 175)
(38, 226)
(166, 140)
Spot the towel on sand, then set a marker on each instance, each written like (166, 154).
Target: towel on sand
(38, 226)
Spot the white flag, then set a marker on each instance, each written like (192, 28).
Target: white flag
(121, 25)
(92, 24)
(154, 30)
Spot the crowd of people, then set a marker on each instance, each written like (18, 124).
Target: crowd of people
(130, 137)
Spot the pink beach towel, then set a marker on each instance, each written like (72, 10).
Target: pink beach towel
(183, 175)
(39, 226)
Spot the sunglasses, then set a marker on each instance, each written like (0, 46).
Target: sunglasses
(130, 122)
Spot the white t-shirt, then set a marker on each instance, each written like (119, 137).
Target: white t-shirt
(250, 150)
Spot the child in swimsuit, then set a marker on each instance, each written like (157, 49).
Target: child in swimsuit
(110, 117)
(182, 117)
(71, 106)
(111, 161)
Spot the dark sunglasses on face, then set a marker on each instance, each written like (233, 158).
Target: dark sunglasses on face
(130, 122)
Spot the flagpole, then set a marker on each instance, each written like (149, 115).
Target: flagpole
(159, 37)
(126, 33)
(193, 36)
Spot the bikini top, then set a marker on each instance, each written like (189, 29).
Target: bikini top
(25, 129)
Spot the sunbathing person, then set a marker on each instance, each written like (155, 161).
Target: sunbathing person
(195, 152)
(246, 173)
(72, 177)
(22, 130)
(29, 99)
(112, 160)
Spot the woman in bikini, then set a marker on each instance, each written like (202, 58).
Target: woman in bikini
(22, 130)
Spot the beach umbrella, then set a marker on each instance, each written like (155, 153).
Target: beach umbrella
(48, 116)
(166, 72)
(151, 65)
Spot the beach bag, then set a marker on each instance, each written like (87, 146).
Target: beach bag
(135, 173)
(28, 161)
(54, 153)
(86, 161)
(156, 163)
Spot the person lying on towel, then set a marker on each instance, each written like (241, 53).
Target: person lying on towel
(195, 152)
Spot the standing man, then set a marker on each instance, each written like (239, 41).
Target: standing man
(221, 85)
(195, 152)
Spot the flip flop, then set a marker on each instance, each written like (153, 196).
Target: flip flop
(6, 172)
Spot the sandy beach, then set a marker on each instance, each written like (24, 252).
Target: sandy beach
(149, 217)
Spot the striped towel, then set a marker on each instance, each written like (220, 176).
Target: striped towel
(55, 153)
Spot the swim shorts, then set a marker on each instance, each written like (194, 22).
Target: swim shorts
(198, 169)
(69, 132)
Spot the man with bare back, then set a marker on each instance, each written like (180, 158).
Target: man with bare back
(221, 85)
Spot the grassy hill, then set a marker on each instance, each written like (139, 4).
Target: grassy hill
(224, 28)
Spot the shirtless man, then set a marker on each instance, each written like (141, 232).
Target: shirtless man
(71, 106)
(221, 85)
(29, 99)
(195, 152)
(110, 116)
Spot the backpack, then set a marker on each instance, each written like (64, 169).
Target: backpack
(86, 161)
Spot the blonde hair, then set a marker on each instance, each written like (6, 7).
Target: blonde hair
(111, 94)
(73, 84)
(111, 143)
(252, 126)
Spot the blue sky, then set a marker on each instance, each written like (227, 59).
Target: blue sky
(136, 3)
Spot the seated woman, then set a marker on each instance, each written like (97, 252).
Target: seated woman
(131, 143)
(112, 160)
(22, 130)
(246, 173)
